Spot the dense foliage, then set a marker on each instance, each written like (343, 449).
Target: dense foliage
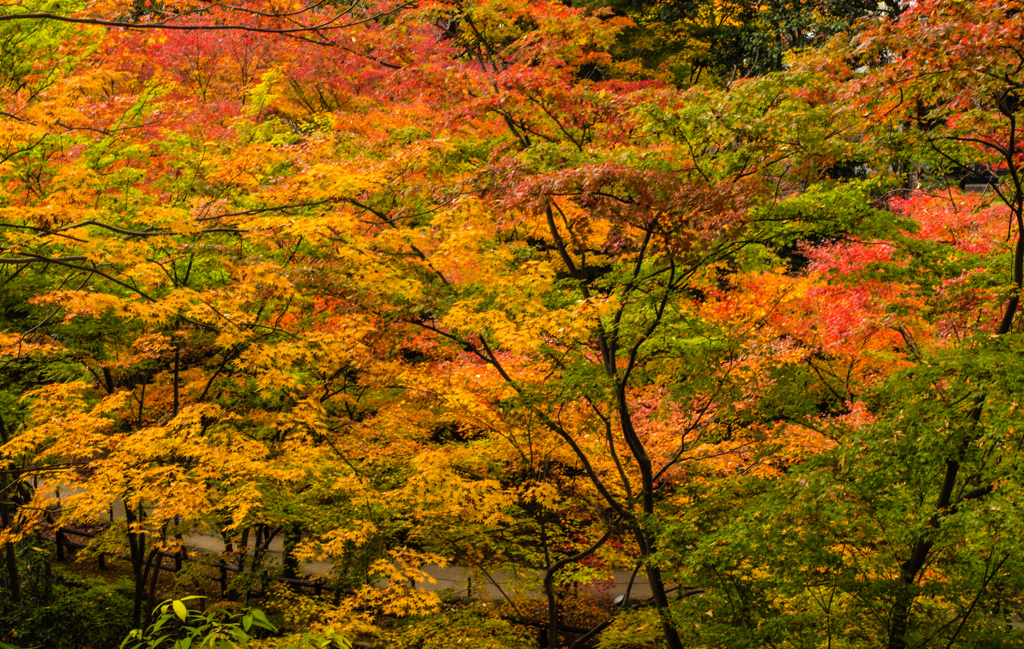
(688, 288)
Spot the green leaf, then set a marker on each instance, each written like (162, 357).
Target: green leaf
(341, 641)
(180, 610)
(247, 622)
(132, 637)
(261, 620)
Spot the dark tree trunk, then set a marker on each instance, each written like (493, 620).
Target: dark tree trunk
(151, 599)
(137, 553)
(10, 556)
(292, 538)
(549, 587)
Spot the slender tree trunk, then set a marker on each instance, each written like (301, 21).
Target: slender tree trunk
(658, 594)
(151, 599)
(292, 538)
(137, 552)
(549, 590)
(672, 639)
(181, 554)
(549, 586)
(241, 557)
(243, 550)
(10, 556)
(13, 582)
(552, 631)
(139, 595)
(646, 542)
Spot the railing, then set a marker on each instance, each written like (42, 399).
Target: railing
(62, 541)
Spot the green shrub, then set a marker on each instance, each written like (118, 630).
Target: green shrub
(60, 610)
(178, 627)
(462, 627)
(634, 629)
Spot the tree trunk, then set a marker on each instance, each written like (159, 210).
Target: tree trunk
(292, 538)
(549, 590)
(549, 586)
(137, 552)
(151, 599)
(672, 640)
(10, 555)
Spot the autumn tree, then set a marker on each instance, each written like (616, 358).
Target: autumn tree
(125, 278)
(583, 286)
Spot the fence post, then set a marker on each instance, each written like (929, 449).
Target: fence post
(103, 560)
(60, 546)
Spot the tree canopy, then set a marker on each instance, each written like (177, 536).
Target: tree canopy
(723, 294)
